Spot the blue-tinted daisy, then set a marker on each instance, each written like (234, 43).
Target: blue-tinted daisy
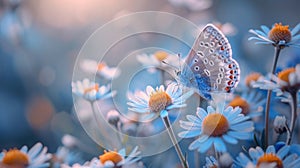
(36, 157)
(251, 102)
(216, 127)
(270, 157)
(91, 91)
(287, 81)
(155, 60)
(279, 35)
(101, 69)
(154, 101)
(66, 156)
(210, 162)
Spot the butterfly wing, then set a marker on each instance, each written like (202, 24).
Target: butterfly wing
(210, 61)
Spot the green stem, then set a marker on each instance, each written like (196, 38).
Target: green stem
(293, 105)
(276, 56)
(167, 123)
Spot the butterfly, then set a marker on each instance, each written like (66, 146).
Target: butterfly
(209, 66)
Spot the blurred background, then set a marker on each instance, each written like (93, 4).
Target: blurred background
(40, 40)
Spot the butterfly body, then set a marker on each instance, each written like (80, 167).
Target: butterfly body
(209, 66)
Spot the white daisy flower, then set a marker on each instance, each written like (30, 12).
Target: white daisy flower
(279, 35)
(285, 83)
(36, 157)
(216, 127)
(156, 100)
(112, 159)
(270, 158)
(251, 102)
(156, 60)
(101, 69)
(66, 156)
(91, 91)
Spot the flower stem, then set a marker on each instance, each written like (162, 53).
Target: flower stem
(293, 105)
(98, 122)
(167, 123)
(276, 56)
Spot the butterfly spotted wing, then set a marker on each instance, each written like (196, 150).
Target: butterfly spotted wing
(209, 66)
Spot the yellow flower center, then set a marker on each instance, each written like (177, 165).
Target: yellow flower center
(101, 66)
(15, 157)
(280, 33)
(242, 103)
(252, 77)
(113, 156)
(284, 75)
(95, 87)
(158, 101)
(161, 55)
(215, 124)
(270, 158)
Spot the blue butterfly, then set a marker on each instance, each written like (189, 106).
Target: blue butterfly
(209, 66)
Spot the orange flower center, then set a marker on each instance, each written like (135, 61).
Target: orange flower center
(270, 158)
(215, 124)
(161, 55)
(101, 66)
(280, 33)
(113, 156)
(252, 77)
(242, 103)
(95, 87)
(15, 157)
(158, 101)
(284, 75)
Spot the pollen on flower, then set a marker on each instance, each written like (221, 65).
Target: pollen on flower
(252, 78)
(101, 66)
(270, 158)
(95, 87)
(158, 101)
(215, 125)
(284, 75)
(280, 33)
(161, 55)
(242, 103)
(15, 157)
(113, 156)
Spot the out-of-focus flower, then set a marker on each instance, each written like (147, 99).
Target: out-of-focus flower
(252, 78)
(210, 162)
(287, 81)
(251, 102)
(113, 117)
(36, 157)
(112, 159)
(194, 5)
(101, 69)
(271, 157)
(214, 127)
(154, 61)
(225, 160)
(280, 124)
(279, 35)
(154, 101)
(91, 91)
(66, 156)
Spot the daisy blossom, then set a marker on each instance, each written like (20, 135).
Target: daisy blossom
(279, 35)
(216, 127)
(101, 69)
(36, 157)
(91, 91)
(280, 158)
(159, 99)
